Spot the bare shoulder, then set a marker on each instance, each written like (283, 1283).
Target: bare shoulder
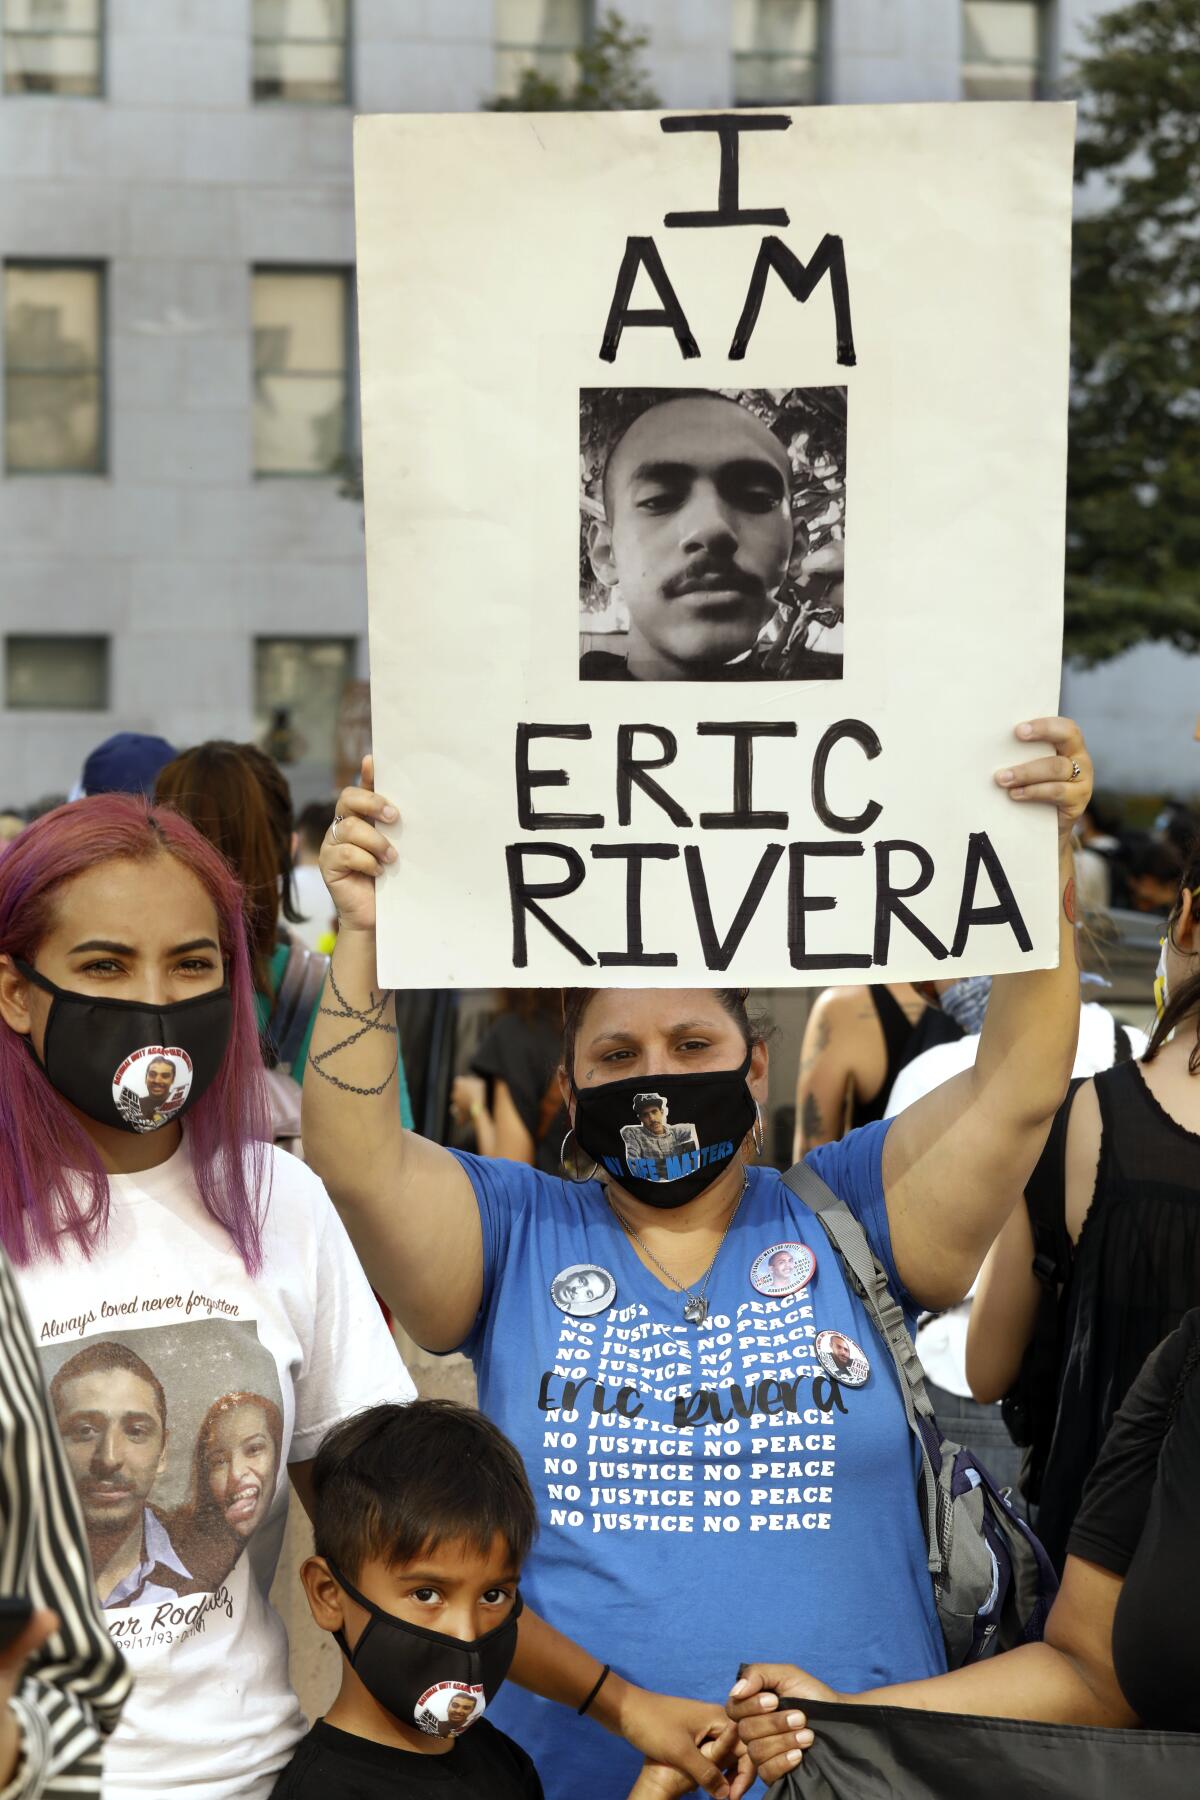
(841, 1008)
(1084, 1132)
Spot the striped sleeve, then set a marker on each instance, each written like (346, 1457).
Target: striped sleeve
(75, 1685)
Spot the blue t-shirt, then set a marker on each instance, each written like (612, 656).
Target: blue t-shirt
(707, 1495)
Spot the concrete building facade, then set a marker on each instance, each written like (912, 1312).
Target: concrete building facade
(175, 574)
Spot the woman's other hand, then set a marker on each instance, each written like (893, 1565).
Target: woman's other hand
(1063, 780)
(774, 1742)
(355, 851)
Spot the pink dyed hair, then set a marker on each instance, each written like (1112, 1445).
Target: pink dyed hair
(52, 1183)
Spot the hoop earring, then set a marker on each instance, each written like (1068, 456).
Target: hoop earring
(567, 1170)
(759, 1133)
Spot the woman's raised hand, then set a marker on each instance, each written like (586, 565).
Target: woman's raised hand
(1063, 780)
(355, 851)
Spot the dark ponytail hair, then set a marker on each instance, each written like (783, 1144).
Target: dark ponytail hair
(575, 1004)
(1186, 1000)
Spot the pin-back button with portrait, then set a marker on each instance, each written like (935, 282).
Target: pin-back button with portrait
(841, 1358)
(583, 1289)
(782, 1269)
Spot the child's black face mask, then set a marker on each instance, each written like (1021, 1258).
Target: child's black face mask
(424, 1678)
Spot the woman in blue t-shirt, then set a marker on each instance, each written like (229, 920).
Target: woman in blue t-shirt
(714, 1435)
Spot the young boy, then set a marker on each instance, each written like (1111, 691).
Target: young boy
(422, 1517)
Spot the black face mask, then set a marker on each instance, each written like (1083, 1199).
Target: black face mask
(127, 1064)
(425, 1678)
(666, 1138)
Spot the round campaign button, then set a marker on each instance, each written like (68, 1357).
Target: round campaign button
(583, 1289)
(841, 1358)
(782, 1269)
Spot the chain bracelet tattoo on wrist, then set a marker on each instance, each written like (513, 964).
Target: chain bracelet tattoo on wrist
(369, 1020)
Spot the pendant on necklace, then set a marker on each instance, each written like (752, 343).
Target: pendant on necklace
(695, 1309)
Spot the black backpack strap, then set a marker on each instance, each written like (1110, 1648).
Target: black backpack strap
(868, 1278)
(299, 990)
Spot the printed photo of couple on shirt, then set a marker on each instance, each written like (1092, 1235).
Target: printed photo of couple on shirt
(173, 1478)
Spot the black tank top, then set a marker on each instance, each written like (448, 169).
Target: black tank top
(902, 1042)
(1136, 1273)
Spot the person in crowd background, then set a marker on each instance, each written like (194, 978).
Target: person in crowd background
(238, 798)
(1132, 1172)
(465, 1250)
(856, 1041)
(63, 1681)
(126, 763)
(1155, 870)
(11, 825)
(314, 924)
(511, 1097)
(942, 1339)
(422, 1520)
(1120, 1647)
(120, 926)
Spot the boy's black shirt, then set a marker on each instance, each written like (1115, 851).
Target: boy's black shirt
(330, 1764)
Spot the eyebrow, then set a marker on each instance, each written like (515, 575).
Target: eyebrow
(628, 1037)
(115, 949)
(681, 471)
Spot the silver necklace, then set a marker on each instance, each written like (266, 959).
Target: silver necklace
(695, 1306)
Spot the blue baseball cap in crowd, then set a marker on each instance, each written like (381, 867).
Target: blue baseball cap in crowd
(127, 763)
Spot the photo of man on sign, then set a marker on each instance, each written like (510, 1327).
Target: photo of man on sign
(712, 534)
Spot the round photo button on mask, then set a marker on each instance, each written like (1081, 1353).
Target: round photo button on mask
(448, 1707)
(841, 1358)
(782, 1269)
(151, 1085)
(583, 1289)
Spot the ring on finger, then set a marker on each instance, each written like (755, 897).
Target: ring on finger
(333, 829)
(1076, 771)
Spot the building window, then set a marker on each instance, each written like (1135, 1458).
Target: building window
(1003, 49)
(301, 359)
(56, 674)
(298, 688)
(543, 35)
(776, 52)
(300, 51)
(53, 368)
(52, 46)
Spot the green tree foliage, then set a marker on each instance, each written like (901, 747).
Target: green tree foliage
(1133, 518)
(609, 77)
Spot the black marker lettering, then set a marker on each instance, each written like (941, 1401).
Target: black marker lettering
(869, 743)
(728, 127)
(528, 779)
(889, 900)
(719, 953)
(800, 904)
(743, 817)
(642, 253)
(631, 772)
(634, 955)
(524, 896)
(981, 854)
(800, 279)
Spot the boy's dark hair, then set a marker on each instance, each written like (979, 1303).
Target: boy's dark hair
(395, 1480)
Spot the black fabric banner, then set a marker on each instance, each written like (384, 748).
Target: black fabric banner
(882, 1752)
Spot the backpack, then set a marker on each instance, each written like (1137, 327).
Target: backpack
(283, 1035)
(993, 1584)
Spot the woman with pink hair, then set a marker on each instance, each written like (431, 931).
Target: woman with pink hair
(175, 1266)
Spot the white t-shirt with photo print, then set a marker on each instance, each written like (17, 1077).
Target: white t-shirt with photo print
(183, 1388)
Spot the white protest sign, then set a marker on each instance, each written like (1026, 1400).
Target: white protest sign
(714, 472)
